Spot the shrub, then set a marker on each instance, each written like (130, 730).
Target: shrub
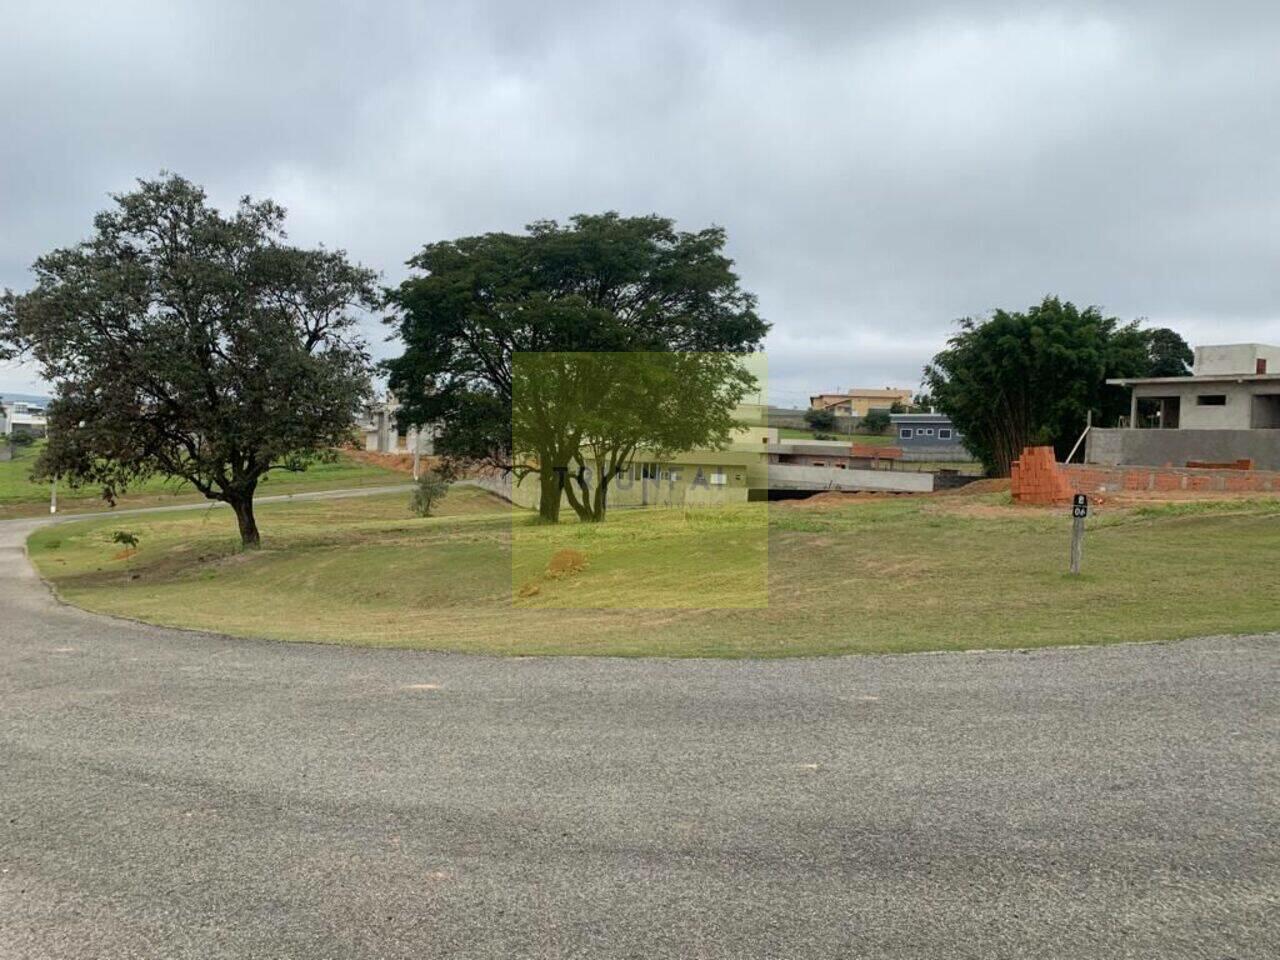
(126, 539)
(431, 489)
(820, 419)
(877, 421)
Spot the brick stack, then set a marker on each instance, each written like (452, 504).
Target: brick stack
(1037, 478)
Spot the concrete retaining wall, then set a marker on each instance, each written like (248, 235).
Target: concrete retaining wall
(495, 482)
(785, 476)
(1155, 448)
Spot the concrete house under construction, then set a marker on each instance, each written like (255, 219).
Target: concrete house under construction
(1227, 410)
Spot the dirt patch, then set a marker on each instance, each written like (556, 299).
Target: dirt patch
(831, 499)
(399, 462)
(984, 511)
(985, 485)
(565, 563)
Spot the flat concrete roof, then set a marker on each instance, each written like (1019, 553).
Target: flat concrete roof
(1192, 381)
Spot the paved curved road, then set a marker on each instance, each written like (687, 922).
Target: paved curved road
(166, 794)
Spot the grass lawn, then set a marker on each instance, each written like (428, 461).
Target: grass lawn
(970, 468)
(872, 439)
(644, 560)
(19, 497)
(888, 575)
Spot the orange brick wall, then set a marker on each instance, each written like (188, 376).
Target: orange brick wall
(1038, 478)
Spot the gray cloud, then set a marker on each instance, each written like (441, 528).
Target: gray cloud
(882, 168)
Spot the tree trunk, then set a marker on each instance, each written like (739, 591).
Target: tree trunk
(243, 506)
(549, 496)
(601, 498)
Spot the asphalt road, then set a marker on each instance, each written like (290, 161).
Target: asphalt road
(170, 795)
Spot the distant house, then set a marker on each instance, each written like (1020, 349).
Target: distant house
(380, 434)
(859, 401)
(17, 416)
(832, 453)
(1227, 410)
(928, 436)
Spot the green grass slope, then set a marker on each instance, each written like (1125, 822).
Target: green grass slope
(892, 575)
(20, 496)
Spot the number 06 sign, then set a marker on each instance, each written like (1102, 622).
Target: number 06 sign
(1079, 510)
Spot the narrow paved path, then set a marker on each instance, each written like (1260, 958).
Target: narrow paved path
(171, 795)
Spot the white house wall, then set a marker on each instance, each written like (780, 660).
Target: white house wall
(1234, 358)
(1236, 414)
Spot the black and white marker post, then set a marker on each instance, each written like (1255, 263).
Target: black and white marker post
(1079, 510)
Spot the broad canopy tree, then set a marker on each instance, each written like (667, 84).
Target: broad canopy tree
(189, 344)
(1018, 379)
(589, 414)
(599, 284)
(1168, 355)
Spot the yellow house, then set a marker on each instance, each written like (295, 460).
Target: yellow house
(859, 401)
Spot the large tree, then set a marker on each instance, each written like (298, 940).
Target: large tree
(601, 283)
(189, 344)
(587, 415)
(1029, 377)
(1168, 355)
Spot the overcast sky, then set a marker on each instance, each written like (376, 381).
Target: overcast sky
(882, 168)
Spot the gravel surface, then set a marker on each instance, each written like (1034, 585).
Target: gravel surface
(168, 795)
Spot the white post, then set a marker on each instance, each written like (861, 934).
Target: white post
(1088, 425)
(417, 451)
(1077, 543)
(53, 487)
